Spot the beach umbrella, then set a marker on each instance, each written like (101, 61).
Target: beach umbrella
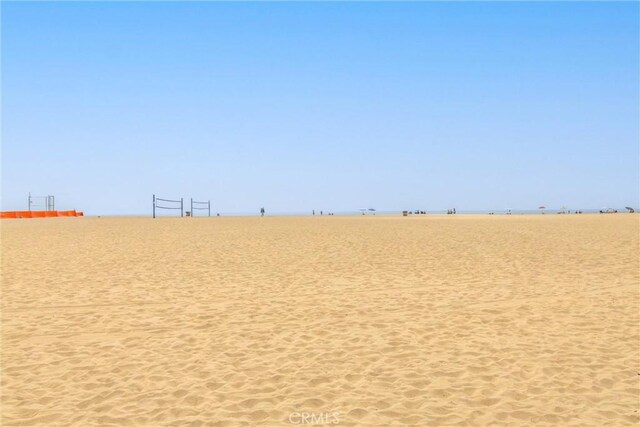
(371, 210)
(629, 209)
(541, 207)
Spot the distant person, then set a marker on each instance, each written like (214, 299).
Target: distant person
(313, 212)
(320, 213)
(261, 211)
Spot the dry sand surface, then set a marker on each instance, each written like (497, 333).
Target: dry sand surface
(431, 320)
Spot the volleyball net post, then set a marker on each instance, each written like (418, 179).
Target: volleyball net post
(172, 204)
(45, 203)
(195, 205)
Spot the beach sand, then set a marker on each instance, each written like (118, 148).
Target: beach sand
(424, 320)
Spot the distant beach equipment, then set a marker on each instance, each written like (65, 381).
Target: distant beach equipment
(206, 206)
(47, 203)
(173, 204)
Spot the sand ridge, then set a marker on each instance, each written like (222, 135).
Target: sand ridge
(435, 320)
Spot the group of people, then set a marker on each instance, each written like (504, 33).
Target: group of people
(313, 212)
(262, 211)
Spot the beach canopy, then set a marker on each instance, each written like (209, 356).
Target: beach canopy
(629, 209)
(541, 207)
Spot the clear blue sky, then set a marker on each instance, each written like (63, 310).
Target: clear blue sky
(333, 106)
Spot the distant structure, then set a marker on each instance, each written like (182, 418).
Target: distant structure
(46, 203)
(200, 206)
(172, 204)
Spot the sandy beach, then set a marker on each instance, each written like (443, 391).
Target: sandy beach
(374, 320)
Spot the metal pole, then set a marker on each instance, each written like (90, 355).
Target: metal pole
(154, 205)
(209, 206)
(192, 206)
(181, 207)
(29, 200)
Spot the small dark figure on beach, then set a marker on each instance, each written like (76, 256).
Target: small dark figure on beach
(261, 211)
(320, 212)
(313, 212)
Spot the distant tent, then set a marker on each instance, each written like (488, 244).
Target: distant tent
(631, 210)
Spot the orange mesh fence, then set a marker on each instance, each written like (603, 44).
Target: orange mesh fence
(38, 214)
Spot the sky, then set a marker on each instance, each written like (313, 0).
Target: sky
(325, 106)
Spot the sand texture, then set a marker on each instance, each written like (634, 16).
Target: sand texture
(430, 320)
